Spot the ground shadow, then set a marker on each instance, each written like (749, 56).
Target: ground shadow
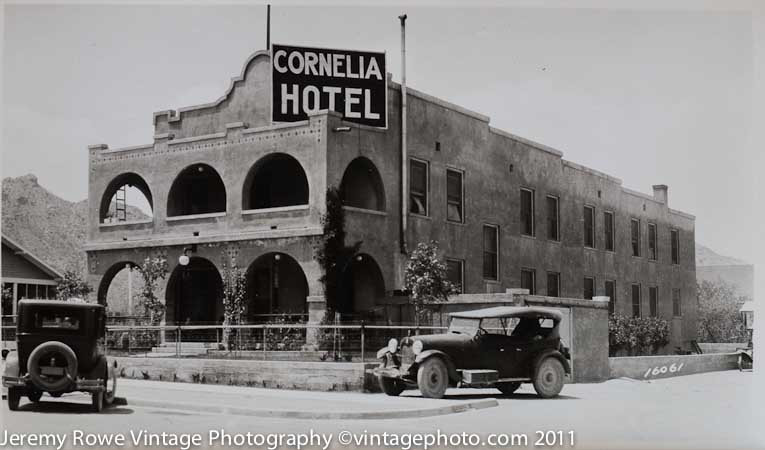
(57, 407)
(498, 396)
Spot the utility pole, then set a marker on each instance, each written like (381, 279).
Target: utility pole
(404, 165)
(268, 27)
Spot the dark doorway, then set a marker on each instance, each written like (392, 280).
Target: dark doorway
(194, 294)
(276, 180)
(198, 189)
(276, 284)
(361, 286)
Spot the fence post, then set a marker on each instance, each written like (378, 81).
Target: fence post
(265, 342)
(130, 338)
(178, 342)
(362, 341)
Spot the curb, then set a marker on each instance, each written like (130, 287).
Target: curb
(318, 415)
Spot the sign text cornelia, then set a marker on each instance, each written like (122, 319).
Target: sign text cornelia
(306, 80)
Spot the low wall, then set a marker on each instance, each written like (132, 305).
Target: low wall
(721, 347)
(313, 376)
(652, 367)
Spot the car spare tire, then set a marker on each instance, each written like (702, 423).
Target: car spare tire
(52, 366)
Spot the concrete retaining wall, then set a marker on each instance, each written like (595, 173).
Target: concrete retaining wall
(314, 376)
(651, 367)
(721, 347)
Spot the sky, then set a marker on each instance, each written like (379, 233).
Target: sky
(651, 96)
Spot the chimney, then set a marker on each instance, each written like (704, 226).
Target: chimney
(660, 193)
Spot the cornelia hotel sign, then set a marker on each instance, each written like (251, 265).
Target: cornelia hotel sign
(306, 80)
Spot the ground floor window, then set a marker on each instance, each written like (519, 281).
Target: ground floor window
(529, 280)
(636, 300)
(553, 284)
(610, 286)
(653, 301)
(455, 271)
(589, 288)
(677, 309)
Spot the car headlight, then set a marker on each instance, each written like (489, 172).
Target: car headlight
(393, 345)
(417, 347)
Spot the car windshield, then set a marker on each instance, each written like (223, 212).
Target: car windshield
(464, 325)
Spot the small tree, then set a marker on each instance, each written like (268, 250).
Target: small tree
(426, 279)
(72, 285)
(234, 297)
(152, 270)
(719, 319)
(637, 335)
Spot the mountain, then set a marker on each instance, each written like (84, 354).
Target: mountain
(51, 228)
(705, 256)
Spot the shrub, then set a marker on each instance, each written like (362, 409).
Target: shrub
(719, 316)
(286, 337)
(426, 280)
(637, 335)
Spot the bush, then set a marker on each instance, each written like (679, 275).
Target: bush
(286, 338)
(637, 335)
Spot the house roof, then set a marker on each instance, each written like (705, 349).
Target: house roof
(37, 262)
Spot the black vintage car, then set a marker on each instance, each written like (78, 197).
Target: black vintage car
(498, 347)
(58, 352)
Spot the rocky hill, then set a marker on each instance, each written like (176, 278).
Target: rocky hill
(51, 228)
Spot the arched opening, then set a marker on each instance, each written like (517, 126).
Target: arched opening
(198, 189)
(276, 284)
(361, 286)
(362, 186)
(194, 294)
(126, 198)
(275, 180)
(119, 287)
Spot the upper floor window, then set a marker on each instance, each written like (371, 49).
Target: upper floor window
(418, 187)
(455, 273)
(652, 251)
(553, 284)
(675, 238)
(589, 288)
(553, 217)
(635, 236)
(636, 300)
(527, 212)
(589, 226)
(653, 301)
(490, 252)
(529, 280)
(454, 196)
(608, 229)
(610, 286)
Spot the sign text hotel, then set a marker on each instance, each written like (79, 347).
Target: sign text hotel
(306, 80)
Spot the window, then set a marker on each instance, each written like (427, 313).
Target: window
(418, 187)
(636, 300)
(611, 294)
(553, 217)
(675, 238)
(589, 226)
(589, 288)
(553, 284)
(455, 272)
(454, 196)
(490, 252)
(677, 309)
(635, 233)
(529, 280)
(652, 252)
(653, 301)
(608, 228)
(7, 302)
(527, 212)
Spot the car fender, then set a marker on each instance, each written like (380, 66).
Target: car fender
(553, 353)
(12, 365)
(427, 354)
(99, 369)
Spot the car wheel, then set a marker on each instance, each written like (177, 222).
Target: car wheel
(43, 353)
(110, 392)
(390, 386)
(14, 397)
(97, 399)
(55, 394)
(432, 378)
(34, 396)
(508, 388)
(548, 380)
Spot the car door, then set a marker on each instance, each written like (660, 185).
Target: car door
(497, 352)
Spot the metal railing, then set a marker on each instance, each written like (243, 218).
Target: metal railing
(290, 342)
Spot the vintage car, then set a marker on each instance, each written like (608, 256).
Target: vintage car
(499, 347)
(57, 351)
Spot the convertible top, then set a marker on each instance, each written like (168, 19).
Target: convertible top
(500, 312)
